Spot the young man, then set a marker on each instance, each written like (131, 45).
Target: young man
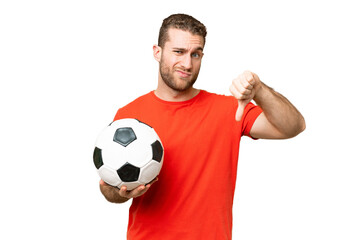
(201, 133)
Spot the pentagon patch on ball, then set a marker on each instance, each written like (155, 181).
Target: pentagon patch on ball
(128, 153)
(124, 136)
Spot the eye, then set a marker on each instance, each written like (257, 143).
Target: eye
(196, 55)
(178, 51)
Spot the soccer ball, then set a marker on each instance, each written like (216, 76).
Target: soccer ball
(128, 152)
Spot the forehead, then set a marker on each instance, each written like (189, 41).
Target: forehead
(178, 38)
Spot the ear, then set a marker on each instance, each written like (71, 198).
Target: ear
(157, 52)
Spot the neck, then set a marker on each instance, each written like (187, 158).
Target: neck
(170, 95)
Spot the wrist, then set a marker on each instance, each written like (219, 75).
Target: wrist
(260, 92)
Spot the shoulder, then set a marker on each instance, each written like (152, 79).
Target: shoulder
(218, 100)
(215, 96)
(134, 106)
(139, 101)
(225, 100)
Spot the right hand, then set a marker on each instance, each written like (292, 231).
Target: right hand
(124, 193)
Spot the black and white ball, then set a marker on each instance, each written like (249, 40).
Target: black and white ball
(128, 152)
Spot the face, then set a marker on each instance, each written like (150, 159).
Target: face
(180, 59)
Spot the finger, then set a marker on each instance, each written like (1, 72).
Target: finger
(249, 76)
(240, 109)
(139, 191)
(147, 186)
(247, 85)
(243, 82)
(150, 183)
(234, 91)
(240, 94)
(245, 92)
(247, 82)
(123, 192)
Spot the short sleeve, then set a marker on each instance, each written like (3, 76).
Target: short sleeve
(251, 112)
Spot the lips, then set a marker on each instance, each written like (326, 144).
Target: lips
(183, 74)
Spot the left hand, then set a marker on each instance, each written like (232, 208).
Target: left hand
(244, 89)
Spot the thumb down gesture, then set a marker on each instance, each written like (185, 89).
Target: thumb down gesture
(244, 88)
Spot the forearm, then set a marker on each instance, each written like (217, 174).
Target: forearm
(112, 194)
(279, 111)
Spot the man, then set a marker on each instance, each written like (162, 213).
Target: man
(201, 132)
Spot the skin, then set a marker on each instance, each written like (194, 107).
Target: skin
(116, 195)
(180, 62)
(279, 120)
(179, 65)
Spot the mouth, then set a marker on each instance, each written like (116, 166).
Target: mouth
(183, 74)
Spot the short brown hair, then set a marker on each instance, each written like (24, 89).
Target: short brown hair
(183, 22)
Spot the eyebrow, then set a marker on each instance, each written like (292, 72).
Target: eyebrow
(185, 50)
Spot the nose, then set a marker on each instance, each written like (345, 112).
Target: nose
(187, 61)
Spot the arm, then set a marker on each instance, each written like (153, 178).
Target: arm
(279, 120)
(115, 195)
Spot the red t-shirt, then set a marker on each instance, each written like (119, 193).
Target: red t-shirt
(193, 198)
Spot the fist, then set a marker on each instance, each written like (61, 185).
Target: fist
(244, 88)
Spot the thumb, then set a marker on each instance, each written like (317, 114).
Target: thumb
(240, 109)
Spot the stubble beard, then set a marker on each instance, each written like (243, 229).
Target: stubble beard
(168, 77)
